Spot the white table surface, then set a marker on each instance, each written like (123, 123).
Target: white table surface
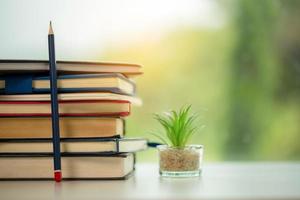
(229, 180)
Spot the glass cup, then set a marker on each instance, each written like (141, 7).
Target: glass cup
(180, 162)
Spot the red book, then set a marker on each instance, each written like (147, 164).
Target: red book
(70, 104)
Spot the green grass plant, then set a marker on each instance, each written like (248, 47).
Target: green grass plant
(178, 127)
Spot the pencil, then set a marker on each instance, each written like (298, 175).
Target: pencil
(54, 107)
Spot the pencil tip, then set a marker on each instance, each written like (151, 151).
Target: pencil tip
(50, 29)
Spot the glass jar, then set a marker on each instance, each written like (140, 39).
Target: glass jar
(180, 162)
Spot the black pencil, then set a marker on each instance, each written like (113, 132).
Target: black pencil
(54, 107)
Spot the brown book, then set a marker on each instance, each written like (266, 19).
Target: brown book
(73, 167)
(117, 108)
(70, 127)
(69, 67)
(69, 145)
(72, 97)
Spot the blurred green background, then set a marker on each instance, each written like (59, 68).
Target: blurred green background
(237, 62)
(243, 79)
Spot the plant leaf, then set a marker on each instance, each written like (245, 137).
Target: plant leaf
(178, 126)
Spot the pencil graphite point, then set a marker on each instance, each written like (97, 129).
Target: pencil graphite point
(50, 29)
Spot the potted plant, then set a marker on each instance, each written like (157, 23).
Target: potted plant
(176, 158)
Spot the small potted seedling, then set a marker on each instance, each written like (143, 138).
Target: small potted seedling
(176, 158)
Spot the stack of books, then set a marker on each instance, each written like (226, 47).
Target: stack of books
(94, 99)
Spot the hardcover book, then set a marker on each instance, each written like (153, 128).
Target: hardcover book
(70, 127)
(116, 108)
(21, 66)
(72, 96)
(92, 166)
(83, 145)
(30, 83)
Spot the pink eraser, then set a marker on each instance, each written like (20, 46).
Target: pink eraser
(57, 176)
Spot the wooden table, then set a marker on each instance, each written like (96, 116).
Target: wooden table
(229, 180)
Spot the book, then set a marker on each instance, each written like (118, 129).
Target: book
(117, 108)
(26, 84)
(70, 127)
(92, 166)
(73, 96)
(21, 66)
(67, 145)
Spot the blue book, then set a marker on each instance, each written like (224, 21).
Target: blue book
(31, 83)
